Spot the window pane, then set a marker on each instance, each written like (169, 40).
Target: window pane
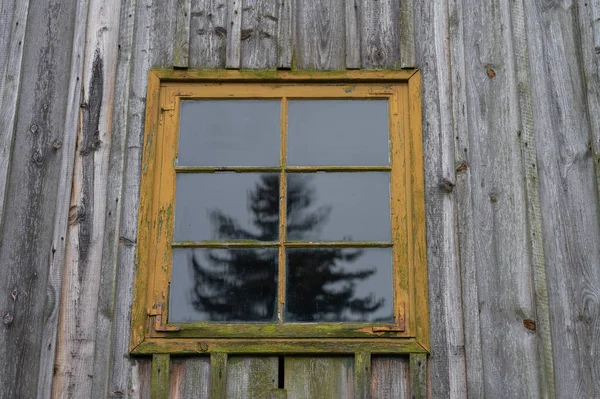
(229, 133)
(335, 284)
(338, 132)
(227, 206)
(223, 285)
(338, 206)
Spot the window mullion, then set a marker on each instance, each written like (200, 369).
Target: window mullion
(282, 211)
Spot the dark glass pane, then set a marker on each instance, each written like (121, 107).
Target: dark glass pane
(227, 206)
(226, 285)
(338, 206)
(338, 132)
(229, 133)
(335, 284)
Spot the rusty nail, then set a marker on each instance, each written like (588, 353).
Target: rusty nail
(8, 318)
(491, 73)
(529, 324)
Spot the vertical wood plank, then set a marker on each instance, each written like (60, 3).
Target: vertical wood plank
(320, 34)
(418, 375)
(208, 34)
(319, 377)
(285, 34)
(445, 314)
(57, 263)
(189, 377)
(352, 34)
(218, 375)
(380, 41)
(534, 217)
(407, 34)
(159, 388)
(234, 34)
(252, 377)
(260, 25)
(77, 332)
(181, 46)
(13, 23)
(40, 52)
(390, 377)
(162, 31)
(362, 375)
(564, 139)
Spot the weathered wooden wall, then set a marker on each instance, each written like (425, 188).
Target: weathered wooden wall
(511, 119)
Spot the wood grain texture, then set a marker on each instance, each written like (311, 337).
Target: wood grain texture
(30, 197)
(208, 33)
(352, 34)
(569, 200)
(418, 375)
(320, 34)
(407, 34)
(57, 262)
(362, 375)
(390, 377)
(380, 29)
(234, 34)
(218, 376)
(447, 361)
(189, 377)
(319, 377)
(83, 256)
(112, 326)
(159, 388)
(502, 249)
(181, 46)
(285, 34)
(13, 22)
(260, 26)
(252, 377)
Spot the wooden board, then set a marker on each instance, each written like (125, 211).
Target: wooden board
(319, 377)
(320, 35)
(208, 34)
(390, 377)
(259, 35)
(252, 377)
(380, 29)
(189, 377)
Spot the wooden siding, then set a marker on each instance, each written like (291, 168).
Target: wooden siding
(511, 145)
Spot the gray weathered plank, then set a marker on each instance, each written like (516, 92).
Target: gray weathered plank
(109, 329)
(77, 331)
(447, 363)
(380, 41)
(162, 32)
(407, 34)
(141, 380)
(285, 35)
(534, 217)
(189, 377)
(31, 189)
(181, 45)
(352, 34)
(208, 33)
(320, 35)
(260, 24)
(319, 377)
(63, 200)
(234, 34)
(502, 248)
(390, 377)
(13, 22)
(569, 200)
(251, 377)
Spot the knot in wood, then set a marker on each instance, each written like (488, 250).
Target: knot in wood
(491, 73)
(57, 144)
(529, 324)
(33, 128)
(8, 318)
(447, 185)
(37, 157)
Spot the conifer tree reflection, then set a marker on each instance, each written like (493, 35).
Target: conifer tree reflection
(241, 284)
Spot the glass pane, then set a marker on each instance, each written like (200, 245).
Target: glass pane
(229, 133)
(338, 132)
(227, 206)
(338, 206)
(223, 285)
(335, 284)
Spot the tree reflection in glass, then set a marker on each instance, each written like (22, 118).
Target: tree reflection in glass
(323, 284)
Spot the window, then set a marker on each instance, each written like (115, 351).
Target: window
(281, 212)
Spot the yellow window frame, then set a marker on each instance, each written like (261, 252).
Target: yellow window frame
(166, 89)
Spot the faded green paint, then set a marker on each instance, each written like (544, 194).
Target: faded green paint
(160, 377)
